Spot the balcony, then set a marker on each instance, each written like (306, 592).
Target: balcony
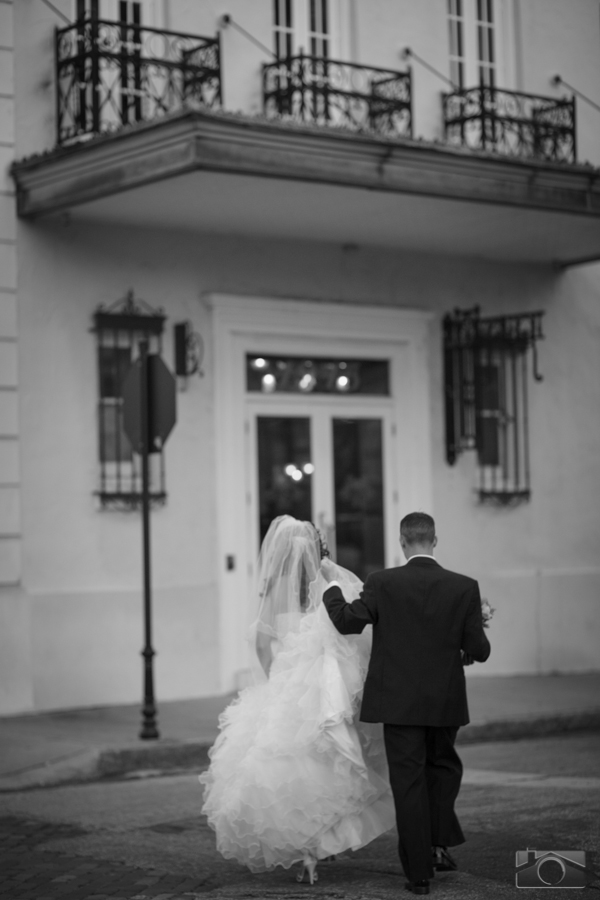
(334, 145)
(328, 92)
(511, 123)
(112, 74)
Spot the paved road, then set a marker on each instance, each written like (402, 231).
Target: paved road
(143, 838)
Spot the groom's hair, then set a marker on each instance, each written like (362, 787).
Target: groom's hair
(417, 528)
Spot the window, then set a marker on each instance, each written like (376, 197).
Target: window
(457, 50)
(119, 330)
(87, 9)
(489, 413)
(283, 29)
(319, 31)
(301, 26)
(113, 364)
(472, 44)
(486, 57)
(486, 391)
(299, 375)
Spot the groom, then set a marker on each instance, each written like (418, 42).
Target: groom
(427, 624)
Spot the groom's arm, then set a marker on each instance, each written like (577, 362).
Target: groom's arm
(474, 641)
(351, 618)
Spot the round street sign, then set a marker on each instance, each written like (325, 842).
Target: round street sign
(162, 392)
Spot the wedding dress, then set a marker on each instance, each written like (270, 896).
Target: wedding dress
(293, 774)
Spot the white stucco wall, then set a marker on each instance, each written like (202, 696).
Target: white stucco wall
(9, 445)
(80, 606)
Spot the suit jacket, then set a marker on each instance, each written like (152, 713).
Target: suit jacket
(422, 617)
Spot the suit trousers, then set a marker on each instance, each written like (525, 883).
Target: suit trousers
(425, 775)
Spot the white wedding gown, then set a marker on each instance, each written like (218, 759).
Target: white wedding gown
(293, 771)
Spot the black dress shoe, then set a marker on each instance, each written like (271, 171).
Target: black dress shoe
(442, 861)
(417, 887)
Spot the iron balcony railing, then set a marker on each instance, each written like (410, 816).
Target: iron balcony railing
(511, 123)
(333, 93)
(111, 74)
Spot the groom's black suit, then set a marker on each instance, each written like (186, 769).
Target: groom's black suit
(422, 617)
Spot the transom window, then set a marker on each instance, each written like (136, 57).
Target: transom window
(316, 375)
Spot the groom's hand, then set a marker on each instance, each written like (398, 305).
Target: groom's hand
(466, 658)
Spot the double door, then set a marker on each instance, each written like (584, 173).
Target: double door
(329, 463)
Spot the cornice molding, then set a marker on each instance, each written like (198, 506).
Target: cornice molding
(226, 143)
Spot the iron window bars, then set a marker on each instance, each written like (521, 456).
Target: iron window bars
(328, 92)
(511, 123)
(119, 329)
(112, 74)
(486, 376)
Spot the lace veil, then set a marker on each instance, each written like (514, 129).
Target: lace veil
(290, 583)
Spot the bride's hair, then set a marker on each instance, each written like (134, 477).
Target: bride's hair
(323, 548)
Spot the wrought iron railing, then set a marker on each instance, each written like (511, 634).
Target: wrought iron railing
(511, 123)
(332, 93)
(111, 74)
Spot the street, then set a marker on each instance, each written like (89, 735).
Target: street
(143, 837)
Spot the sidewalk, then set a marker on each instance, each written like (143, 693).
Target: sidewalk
(44, 749)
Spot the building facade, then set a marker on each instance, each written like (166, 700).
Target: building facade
(365, 236)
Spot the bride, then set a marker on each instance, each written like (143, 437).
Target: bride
(294, 777)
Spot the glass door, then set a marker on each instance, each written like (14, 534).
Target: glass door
(357, 454)
(327, 465)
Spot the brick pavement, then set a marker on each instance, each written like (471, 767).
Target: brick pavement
(31, 872)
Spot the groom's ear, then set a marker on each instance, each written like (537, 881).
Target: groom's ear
(434, 541)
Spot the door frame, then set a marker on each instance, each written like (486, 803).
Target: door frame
(243, 324)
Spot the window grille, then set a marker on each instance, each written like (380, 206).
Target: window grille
(119, 330)
(486, 393)
(457, 43)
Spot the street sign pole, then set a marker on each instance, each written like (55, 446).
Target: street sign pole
(149, 727)
(149, 414)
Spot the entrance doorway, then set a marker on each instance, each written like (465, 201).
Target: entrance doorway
(321, 411)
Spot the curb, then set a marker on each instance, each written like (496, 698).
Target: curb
(170, 756)
(111, 762)
(516, 729)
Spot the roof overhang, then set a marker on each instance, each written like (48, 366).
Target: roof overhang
(223, 173)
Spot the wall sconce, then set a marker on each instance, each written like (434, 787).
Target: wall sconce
(189, 350)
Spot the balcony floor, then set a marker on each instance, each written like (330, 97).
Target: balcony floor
(230, 175)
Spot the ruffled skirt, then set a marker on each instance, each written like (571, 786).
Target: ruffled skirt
(291, 771)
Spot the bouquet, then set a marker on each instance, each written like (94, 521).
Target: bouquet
(487, 611)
